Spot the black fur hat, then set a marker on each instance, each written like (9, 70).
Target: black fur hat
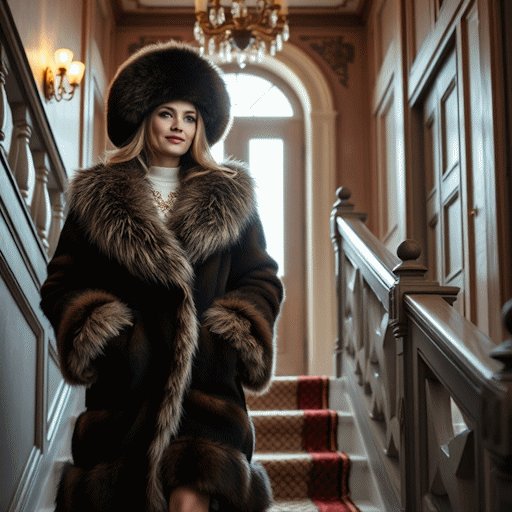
(159, 73)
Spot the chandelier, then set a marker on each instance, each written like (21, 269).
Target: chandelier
(240, 33)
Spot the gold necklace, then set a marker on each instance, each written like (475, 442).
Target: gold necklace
(164, 204)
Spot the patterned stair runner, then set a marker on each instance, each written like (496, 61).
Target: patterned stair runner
(296, 443)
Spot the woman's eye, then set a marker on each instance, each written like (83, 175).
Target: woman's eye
(165, 114)
(191, 119)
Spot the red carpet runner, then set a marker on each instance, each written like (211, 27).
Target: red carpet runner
(296, 442)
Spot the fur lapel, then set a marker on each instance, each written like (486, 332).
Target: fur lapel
(114, 205)
(212, 210)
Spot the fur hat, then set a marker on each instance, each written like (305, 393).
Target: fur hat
(159, 73)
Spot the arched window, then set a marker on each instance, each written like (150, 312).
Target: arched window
(254, 96)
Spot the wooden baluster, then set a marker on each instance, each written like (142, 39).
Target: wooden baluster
(40, 208)
(20, 156)
(5, 109)
(57, 220)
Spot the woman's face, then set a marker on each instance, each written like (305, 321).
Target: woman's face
(172, 130)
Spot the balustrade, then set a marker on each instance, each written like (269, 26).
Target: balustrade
(39, 176)
(431, 399)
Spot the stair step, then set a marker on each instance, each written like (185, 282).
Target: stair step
(295, 431)
(278, 431)
(294, 506)
(366, 506)
(288, 473)
(309, 506)
(281, 396)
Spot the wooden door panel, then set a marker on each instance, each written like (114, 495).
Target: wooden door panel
(443, 180)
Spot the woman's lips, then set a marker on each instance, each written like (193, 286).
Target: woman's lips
(175, 140)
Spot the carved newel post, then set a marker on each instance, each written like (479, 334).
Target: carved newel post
(342, 208)
(411, 279)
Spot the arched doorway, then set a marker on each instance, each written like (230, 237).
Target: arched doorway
(305, 78)
(268, 133)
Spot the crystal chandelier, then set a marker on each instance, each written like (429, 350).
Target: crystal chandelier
(240, 33)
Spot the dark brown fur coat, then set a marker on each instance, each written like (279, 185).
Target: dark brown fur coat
(165, 323)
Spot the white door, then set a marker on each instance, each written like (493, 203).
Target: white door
(272, 146)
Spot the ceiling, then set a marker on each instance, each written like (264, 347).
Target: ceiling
(177, 12)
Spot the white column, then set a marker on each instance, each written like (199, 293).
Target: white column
(321, 290)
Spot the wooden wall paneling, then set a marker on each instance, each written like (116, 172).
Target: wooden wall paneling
(386, 28)
(441, 152)
(388, 220)
(34, 398)
(98, 33)
(22, 436)
(23, 349)
(422, 22)
(429, 152)
(495, 36)
(471, 29)
(478, 296)
(438, 42)
(389, 122)
(499, 82)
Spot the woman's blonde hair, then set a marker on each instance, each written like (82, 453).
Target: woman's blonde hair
(197, 161)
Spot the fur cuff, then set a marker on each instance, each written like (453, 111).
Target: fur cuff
(219, 471)
(241, 324)
(91, 320)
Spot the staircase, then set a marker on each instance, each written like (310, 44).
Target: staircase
(335, 469)
(307, 440)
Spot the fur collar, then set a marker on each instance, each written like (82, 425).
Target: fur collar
(114, 205)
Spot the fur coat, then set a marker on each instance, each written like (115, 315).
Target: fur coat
(165, 323)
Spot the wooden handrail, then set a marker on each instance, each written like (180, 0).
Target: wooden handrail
(432, 393)
(454, 335)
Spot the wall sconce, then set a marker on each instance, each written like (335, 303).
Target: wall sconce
(69, 75)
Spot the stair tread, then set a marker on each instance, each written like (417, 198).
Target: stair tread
(294, 506)
(262, 457)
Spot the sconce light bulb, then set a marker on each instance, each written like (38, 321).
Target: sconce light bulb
(75, 72)
(63, 58)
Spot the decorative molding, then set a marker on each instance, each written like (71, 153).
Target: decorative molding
(335, 52)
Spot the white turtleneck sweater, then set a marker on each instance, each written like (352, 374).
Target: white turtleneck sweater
(164, 180)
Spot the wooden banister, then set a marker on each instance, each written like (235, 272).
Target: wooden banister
(433, 394)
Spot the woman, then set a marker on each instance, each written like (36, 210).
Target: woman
(163, 300)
